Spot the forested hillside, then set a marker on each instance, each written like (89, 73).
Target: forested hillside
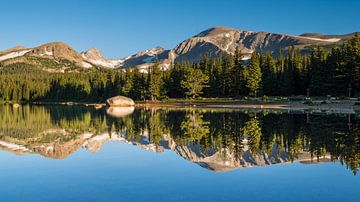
(335, 72)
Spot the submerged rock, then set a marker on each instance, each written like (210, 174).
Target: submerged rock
(120, 101)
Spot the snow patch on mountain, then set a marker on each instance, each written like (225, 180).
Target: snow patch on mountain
(108, 64)
(143, 68)
(14, 54)
(332, 40)
(247, 57)
(150, 52)
(86, 65)
(154, 51)
(228, 44)
(166, 66)
(49, 53)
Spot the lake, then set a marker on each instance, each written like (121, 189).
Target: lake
(78, 153)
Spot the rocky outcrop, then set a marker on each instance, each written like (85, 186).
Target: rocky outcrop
(120, 101)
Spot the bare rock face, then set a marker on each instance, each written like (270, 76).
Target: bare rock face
(120, 101)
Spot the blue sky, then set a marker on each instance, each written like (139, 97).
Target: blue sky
(119, 28)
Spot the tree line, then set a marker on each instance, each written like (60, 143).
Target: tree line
(335, 72)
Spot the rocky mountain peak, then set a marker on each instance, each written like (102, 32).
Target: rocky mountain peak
(151, 52)
(94, 56)
(56, 49)
(215, 31)
(218, 40)
(93, 52)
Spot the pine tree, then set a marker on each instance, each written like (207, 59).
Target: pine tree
(173, 84)
(287, 76)
(194, 127)
(298, 74)
(138, 87)
(352, 63)
(238, 74)
(194, 82)
(155, 81)
(269, 76)
(127, 82)
(253, 75)
(227, 70)
(252, 130)
(318, 76)
(215, 80)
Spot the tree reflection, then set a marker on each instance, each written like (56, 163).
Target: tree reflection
(278, 137)
(194, 128)
(348, 148)
(252, 131)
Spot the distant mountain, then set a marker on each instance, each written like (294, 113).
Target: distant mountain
(55, 56)
(61, 56)
(58, 56)
(95, 57)
(343, 37)
(225, 40)
(142, 60)
(56, 50)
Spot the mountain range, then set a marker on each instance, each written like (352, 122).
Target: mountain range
(60, 57)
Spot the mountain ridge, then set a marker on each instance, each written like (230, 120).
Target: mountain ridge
(213, 41)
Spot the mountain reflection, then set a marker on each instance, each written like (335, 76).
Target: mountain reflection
(217, 140)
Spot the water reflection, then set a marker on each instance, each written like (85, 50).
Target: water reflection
(119, 112)
(216, 140)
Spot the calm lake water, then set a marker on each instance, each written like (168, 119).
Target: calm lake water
(58, 153)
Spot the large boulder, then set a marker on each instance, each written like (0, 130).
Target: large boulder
(120, 101)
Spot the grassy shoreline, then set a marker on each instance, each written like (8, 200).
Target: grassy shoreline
(279, 104)
(272, 103)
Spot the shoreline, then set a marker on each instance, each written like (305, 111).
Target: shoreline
(348, 106)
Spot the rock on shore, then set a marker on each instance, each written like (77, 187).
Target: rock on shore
(120, 101)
